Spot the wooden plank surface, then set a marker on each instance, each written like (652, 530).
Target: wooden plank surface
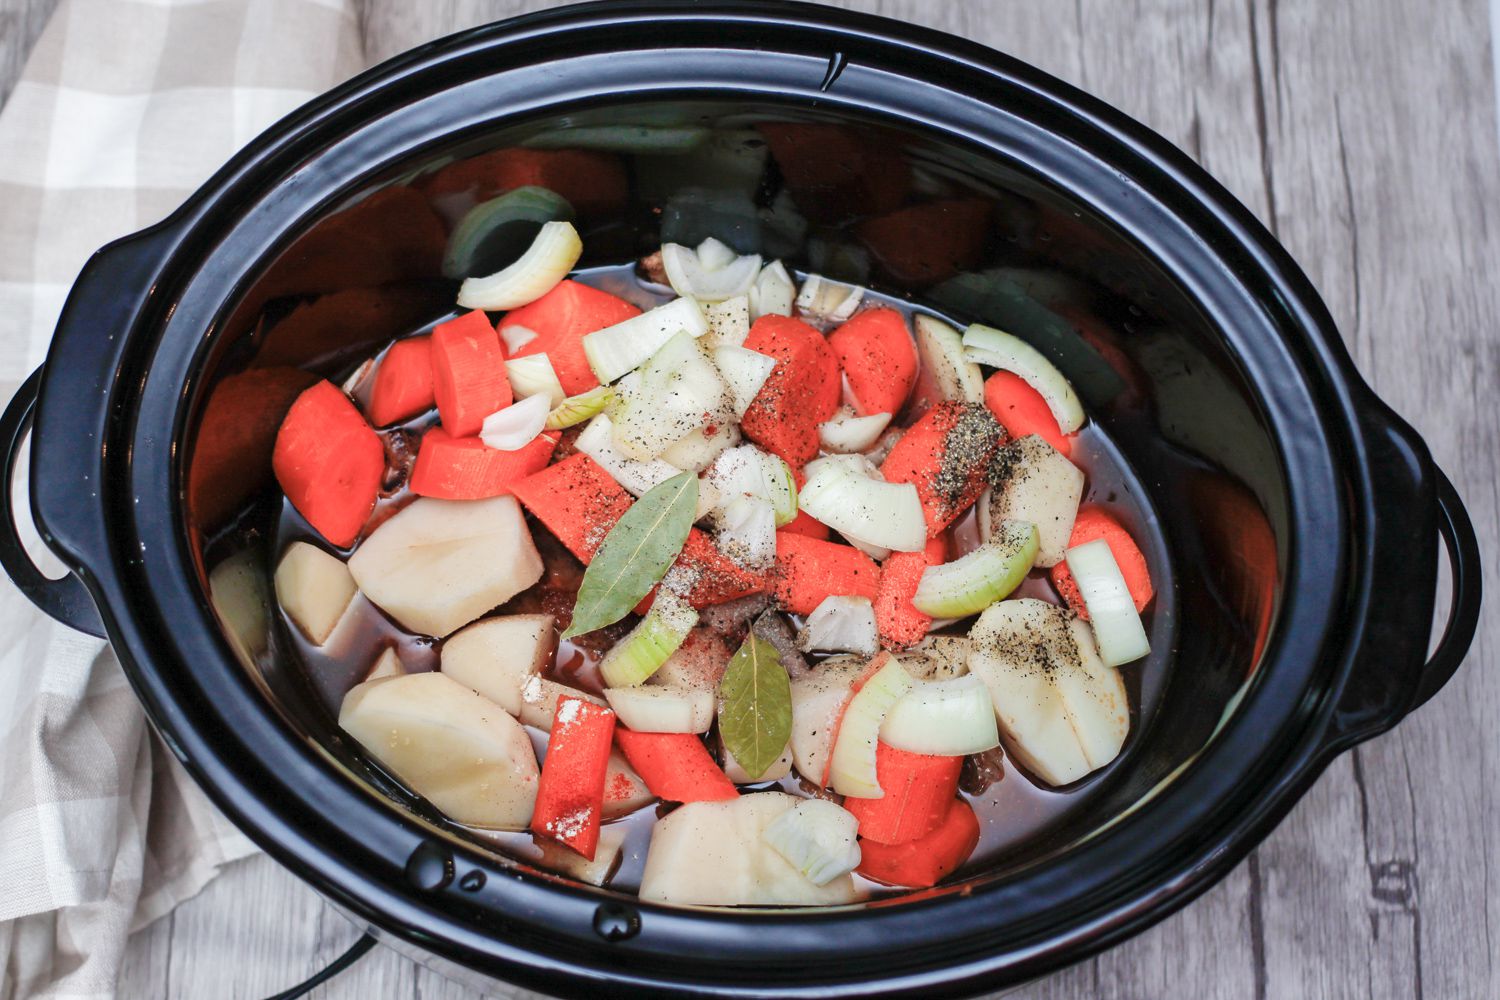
(1363, 132)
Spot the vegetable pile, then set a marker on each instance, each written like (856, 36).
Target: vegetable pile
(766, 523)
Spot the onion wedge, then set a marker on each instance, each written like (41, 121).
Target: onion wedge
(973, 582)
(548, 260)
(987, 346)
(1118, 631)
(852, 765)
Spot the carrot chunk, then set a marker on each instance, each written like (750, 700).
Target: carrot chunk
(560, 319)
(570, 796)
(946, 455)
(876, 353)
(927, 243)
(1021, 410)
(714, 577)
(468, 373)
(925, 862)
(467, 469)
(576, 500)
(329, 463)
(806, 524)
(801, 392)
(898, 621)
(403, 382)
(594, 183)
(809, 569)
(918, 791)
(1094, 523)
(676, 766)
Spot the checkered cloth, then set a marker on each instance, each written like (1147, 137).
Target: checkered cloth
(125, 107)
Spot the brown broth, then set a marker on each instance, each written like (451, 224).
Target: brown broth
(1012, 811)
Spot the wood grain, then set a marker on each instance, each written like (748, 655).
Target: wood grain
(1363, 134)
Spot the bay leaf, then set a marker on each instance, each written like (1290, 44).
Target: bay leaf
(755, 706)
(636, 554)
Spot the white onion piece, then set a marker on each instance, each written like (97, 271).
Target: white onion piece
(597, 442)
(987, 346)
(971, 583)
(627, 345)
(690, 278)
(728, 322)
(533, 375)
(847, 433)
(941, 350)
(546, 262)
(697, 451)
(744, 372)
(885, 514)
(824, 302)
(714, 255)
(877, 552)
(660, 708)
(859, 465)
(840, 624)
(1041, 486)
(1117, 625)
(746, 532)
(679, 391)
(817, 838)
(515, 426)
(748, 471)
(852, 766)
(947, 718)
(516, 337)
(773, 293)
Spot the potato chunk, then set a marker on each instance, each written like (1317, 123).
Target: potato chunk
(439, 564)
(496, 656)
(314, 588)
(461, 752)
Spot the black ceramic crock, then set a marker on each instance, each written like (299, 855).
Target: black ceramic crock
(1301, 516)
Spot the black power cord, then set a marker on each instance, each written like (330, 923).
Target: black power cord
(348, 958)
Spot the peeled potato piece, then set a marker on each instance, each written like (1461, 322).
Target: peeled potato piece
(1040, 486)
(539, 700)
(496, 656)
(388, 664)
(737, 774)
(461, 752)
(314, 588)
(1062, 713)
(439, 564)
(715, 854)
(237, 590)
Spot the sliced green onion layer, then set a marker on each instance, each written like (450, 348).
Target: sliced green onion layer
(646, 647)
(551, 256)
(987, 346)
(1117, 625)
(852, 767)
(946, 718)
(577, 409)
(817, 838)
(973, 582)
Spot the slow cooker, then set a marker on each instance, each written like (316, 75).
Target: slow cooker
(1300, 514)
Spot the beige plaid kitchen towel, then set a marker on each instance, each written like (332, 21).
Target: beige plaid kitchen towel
(124, 108)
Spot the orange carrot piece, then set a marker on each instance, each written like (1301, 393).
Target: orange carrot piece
(570, 796)
(467, 469)
(329, 463)
(577, 501)
(468, 373)
(809, 569)
(918, 790)
(716, 579)
(951, 432)
(898, 621)
(878, 357)
(1094, 523)
(925, 862)
(676, 766)
(1021, 410)
(560, 319)
(403, 382)
(801, 392)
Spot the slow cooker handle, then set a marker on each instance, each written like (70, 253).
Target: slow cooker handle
(1463, 614)
(67, 599)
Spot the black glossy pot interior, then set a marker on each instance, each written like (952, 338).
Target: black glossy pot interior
(908, 212)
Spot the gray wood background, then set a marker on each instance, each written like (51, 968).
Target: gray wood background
(1364, 133)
